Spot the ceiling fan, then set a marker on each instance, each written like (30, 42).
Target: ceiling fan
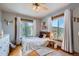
(39, 7)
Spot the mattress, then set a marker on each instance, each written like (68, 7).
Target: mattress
(33, 43)
(34, 40)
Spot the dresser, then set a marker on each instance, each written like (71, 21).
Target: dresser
(4, 45)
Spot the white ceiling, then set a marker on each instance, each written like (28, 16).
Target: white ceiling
(27, 8)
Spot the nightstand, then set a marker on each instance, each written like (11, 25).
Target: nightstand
(54, 44)
(51, 44)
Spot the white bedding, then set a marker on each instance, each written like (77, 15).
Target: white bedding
(29, 43)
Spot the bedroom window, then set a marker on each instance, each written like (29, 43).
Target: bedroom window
(58, 27)
(27, 28)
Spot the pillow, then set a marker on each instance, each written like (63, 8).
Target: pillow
(41, 36)
(44, 35)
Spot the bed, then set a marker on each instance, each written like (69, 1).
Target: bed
(34, 43)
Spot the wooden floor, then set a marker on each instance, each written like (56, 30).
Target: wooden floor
(17, 52)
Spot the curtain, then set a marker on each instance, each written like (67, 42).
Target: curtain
(34, 28)
(67, 41)
(20, 31)
(18, 41)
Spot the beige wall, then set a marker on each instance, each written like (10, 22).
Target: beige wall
(76, 29)
(0, 20)
(9, 29)
(48, 24)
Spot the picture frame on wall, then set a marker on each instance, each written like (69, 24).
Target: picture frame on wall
(44, 26)
(74, 19)
(77, 19)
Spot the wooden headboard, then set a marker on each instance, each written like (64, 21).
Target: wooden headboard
(47, 33)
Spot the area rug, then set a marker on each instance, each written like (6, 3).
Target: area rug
(43, 51)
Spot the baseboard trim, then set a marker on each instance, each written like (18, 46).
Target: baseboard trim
(68, 52)
(76, 52)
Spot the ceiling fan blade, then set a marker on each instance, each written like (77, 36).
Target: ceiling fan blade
(43, 6)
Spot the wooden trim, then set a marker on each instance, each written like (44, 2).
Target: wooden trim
(15, 29)
(26, 20)
(67, 52)
(58, 16)
(76, 53)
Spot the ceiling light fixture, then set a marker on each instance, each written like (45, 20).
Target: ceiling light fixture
(39, 7)
(36, 6)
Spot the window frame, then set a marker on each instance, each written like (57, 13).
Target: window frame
(27, 20)
(53, 18)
